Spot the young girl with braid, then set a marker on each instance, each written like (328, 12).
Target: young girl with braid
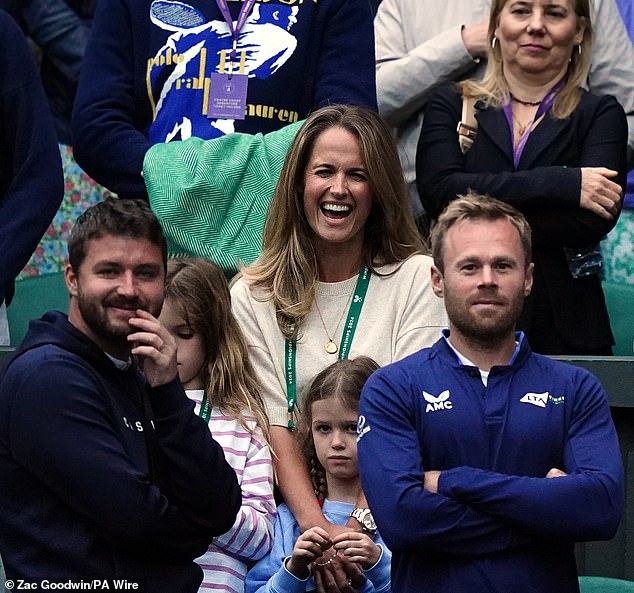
(215, 371)
(327, 437)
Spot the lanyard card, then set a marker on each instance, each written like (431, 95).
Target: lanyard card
(227, 96)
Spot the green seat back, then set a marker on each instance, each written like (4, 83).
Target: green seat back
(605, 585)
(620, 301)
(33, 297)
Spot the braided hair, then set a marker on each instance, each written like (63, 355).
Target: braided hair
(343, 379)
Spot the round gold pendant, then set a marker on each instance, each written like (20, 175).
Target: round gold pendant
(330, 347)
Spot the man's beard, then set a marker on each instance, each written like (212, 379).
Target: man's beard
(95, 315)
(482, 330)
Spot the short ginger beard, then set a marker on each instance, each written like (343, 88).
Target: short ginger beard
(477, 332)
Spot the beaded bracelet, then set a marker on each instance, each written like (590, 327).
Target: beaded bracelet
(329, 561)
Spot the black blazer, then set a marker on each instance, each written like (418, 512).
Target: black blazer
(563, 315)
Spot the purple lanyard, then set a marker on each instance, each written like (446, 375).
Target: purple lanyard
(242, 17)
(544, 106)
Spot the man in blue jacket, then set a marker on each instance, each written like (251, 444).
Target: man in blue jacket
(106, 473)
(498, 459)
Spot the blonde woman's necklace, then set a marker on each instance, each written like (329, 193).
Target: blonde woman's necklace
(523, 130)
(522, 127)
(330, 347)
(527, 103)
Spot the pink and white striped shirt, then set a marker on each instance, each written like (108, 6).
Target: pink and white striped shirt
(251, 536)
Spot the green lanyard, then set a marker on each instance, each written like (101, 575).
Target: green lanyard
(205, 409)
(290, 354)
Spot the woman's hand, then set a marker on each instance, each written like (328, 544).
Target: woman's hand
(309, 546)
(358, 547)
(335, 531)
(599, 193)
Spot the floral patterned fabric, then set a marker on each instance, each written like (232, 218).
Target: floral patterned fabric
(80, 192)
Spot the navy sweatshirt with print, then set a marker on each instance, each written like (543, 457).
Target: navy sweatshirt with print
(101, 476)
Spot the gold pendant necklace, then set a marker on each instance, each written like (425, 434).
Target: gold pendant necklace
(330, 347)
(521, 129)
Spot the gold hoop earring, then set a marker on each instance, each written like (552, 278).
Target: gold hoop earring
(494, 42)
(579, 49)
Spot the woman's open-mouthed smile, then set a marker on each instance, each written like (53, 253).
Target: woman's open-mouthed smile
(337, 196)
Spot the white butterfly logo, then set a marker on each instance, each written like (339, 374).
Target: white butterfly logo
(431, 399)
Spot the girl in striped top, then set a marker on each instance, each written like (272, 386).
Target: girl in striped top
(215, 371)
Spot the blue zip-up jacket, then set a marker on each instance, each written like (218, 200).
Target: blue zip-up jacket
(101, 476)
(497, 524)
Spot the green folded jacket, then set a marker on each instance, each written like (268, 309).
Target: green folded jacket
(211, 196)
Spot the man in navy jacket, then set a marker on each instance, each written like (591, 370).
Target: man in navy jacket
(31, 180)
(106, 473)
(498, 459)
